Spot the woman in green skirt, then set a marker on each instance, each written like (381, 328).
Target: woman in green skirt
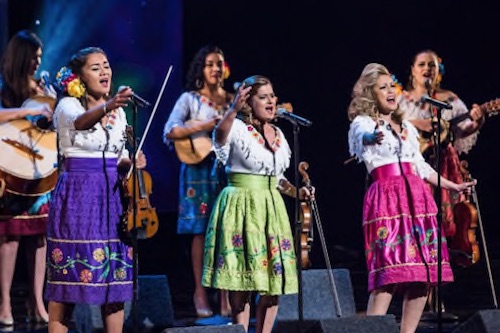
(249, 244)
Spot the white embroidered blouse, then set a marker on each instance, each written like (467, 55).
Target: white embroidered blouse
(94, 141)
(413, 110)
(402, 146)
(245, 152)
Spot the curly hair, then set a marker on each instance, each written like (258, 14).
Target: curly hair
(16, 67)
(195, 72)
(363, 100)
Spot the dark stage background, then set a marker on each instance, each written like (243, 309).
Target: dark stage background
(313, 51)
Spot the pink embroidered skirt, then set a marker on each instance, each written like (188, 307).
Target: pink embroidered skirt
(400, 230)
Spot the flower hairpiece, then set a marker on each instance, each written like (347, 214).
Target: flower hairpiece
(68, 82)
(397, 84)
(226, 71)
(441, 71)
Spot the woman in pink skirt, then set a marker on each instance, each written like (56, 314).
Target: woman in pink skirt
(400, 215)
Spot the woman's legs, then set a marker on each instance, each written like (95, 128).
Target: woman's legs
(59, 317)
(36, 249)
(267, 309)
(113, 317)
(240, 307)
(379, 301)
(200, 297)
(414, 302)
(8, 255)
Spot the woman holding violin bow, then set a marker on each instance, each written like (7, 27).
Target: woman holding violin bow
(22, 215)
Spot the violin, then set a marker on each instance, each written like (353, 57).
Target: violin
(306, 238)
(136, 194)
(464, 241)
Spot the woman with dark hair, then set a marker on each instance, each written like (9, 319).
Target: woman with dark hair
(22, 215)
(249, 243)
(87, 260)
(191, 121)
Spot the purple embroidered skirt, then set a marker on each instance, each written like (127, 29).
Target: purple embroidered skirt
(86, 260)
(400, 230)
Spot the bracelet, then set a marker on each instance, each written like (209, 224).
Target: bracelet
(106, 111)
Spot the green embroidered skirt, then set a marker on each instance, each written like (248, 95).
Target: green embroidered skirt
(249, 244)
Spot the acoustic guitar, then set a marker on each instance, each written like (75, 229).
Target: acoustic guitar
(429, 139)
(28, 164)
(193, 149)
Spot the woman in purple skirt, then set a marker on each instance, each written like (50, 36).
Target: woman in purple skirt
(87, 260)
(399, 215)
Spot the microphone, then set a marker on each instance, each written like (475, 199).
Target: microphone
(293, 118)
(136, 99)
(435, 102)
(428, 86)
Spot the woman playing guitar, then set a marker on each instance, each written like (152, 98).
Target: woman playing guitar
(21, 215)
(189, 128)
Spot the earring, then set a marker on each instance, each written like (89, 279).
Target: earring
(198, 84)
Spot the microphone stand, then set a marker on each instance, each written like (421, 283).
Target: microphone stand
(134, 230)
(438, 198)
(298, 223)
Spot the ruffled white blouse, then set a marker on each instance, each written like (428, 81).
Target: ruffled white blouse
(394, 147)
(413, 110)
(245, 152)
(90, 143)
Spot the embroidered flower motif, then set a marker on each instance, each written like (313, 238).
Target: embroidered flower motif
(57, 255)
(203, 208)
(382, 232)
(412, 251)
(255, 134)
(220, 261)
(99, 255)
(86, 276)
(404, 134)
(67, 82)
(120, 274)
(264, 263)
(191, 192)
(433, 253)
(277, 268)
(65, 271)
(286, 244)
(237, 240)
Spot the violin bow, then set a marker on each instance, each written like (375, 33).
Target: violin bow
(141, 143)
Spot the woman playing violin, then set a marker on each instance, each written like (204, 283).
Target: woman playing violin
(20, 62)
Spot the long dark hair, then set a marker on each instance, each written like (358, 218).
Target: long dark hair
(16, 66)
(195, 72)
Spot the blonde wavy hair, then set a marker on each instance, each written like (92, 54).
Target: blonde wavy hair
(363, 100)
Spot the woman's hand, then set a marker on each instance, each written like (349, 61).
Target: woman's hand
(476, 113)
(121, 99)
(43, 109)
(465, 186)
(373, 138)
(140, 161)
(306, 194)
(240, 99)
